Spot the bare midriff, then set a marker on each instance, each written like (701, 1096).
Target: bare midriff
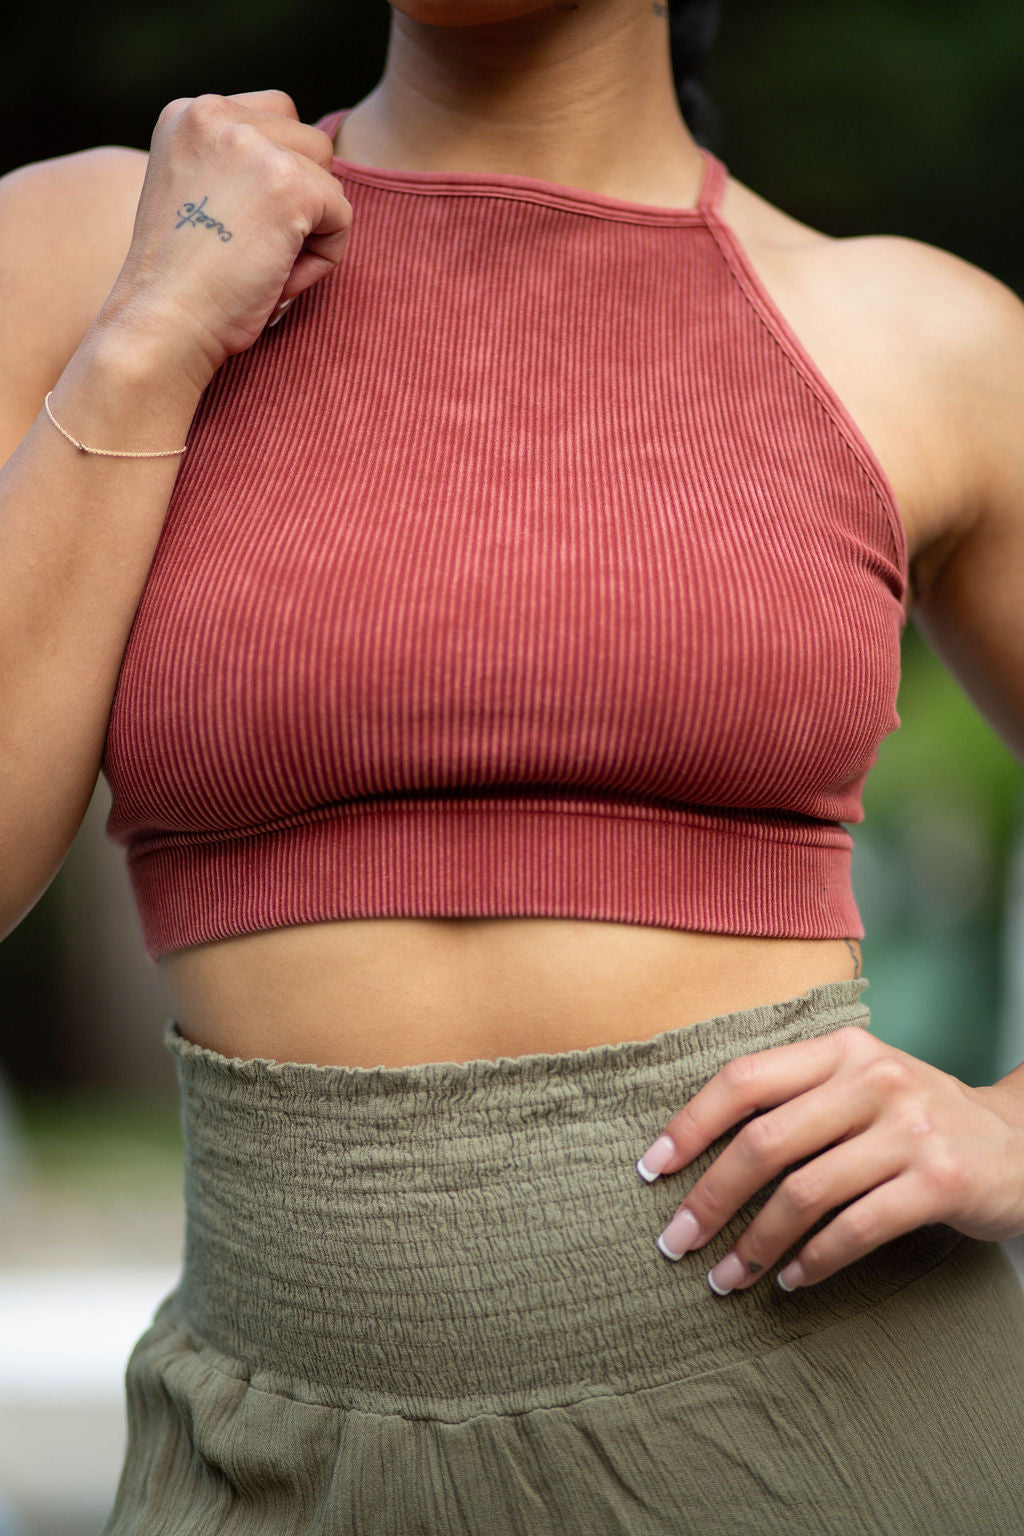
(402, 991)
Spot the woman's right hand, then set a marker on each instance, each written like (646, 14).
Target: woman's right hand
(238, 212)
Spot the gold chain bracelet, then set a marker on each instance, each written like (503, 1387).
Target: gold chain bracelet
(108, 453)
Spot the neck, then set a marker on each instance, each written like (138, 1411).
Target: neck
(581, 95)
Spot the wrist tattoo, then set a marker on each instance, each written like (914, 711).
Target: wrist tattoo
(192, 213)
(854, 949)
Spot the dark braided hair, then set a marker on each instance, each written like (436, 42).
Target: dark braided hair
(693, 25)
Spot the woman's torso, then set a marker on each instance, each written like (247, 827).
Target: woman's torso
(397, 991)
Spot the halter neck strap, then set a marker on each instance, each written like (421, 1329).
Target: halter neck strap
(713, 184)
(329, 124)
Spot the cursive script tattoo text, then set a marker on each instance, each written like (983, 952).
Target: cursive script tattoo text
(192, 213)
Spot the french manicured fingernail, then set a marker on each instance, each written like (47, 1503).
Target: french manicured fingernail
(680, 1234)
(727, 1274)
(792, 1276)
(656, 1158)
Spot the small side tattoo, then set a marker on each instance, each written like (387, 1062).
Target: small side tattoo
(855, 952)
(192, 213)
(755, 1269)
(659, 9)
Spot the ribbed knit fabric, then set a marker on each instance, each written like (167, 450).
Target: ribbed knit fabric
(529, 567)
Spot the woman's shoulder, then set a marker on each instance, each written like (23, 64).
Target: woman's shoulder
(916, 341)
(65, 227)
(919, 289)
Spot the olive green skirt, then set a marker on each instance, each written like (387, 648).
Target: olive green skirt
(427, 1301)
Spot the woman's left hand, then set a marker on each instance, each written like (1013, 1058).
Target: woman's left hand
(914, 1143)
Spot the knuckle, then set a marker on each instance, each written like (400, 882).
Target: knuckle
(858, 1045)
(205, 108)
(281, 171)
(852, 1037)
(754, 1251)
(712, 1204)
(914, 1116)
(740, 1072)
(322, 146)
(802, 1191)
(887, 1075)
(173, 110)
(944, 1169)
(282, 99)
(858, 1226)
(240, 138)
(814, 1260)
(686, 1124)
(761, 1137)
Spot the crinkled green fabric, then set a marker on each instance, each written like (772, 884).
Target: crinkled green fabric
(427, 1301)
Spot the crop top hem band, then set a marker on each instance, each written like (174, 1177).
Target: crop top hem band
(487, 858)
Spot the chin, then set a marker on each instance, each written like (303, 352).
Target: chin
(469, 13)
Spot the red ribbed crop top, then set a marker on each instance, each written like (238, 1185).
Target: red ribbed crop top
(529, 567)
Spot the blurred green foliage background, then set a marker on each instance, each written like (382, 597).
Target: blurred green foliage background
(900, 117)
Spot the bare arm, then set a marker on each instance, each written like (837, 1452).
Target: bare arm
(970, 589)
(78, 532)
(970, 585)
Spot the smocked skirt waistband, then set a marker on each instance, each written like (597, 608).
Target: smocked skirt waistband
(427, 1301)
(448, 1239)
